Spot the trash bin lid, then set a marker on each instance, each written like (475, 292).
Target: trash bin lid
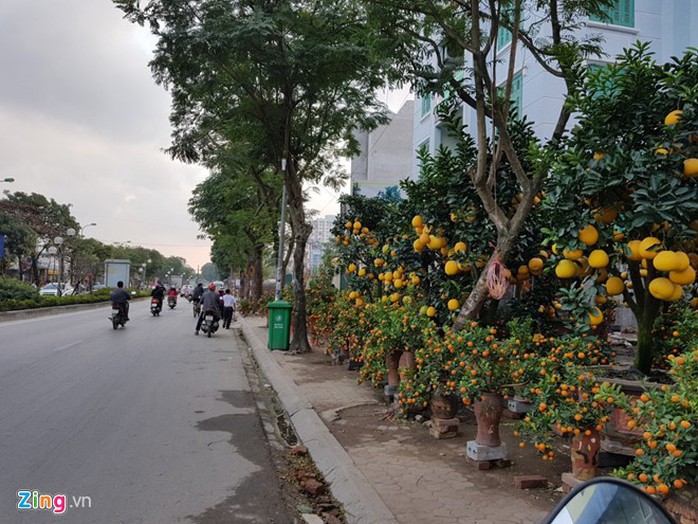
(279, 304)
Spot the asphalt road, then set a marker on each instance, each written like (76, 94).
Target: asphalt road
(151, 423)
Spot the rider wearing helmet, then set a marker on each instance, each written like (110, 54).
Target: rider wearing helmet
(209, 304)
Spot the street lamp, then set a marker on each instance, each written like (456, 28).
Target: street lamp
(56, 248)
(85, 227)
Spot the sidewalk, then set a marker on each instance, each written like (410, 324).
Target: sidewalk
(387, 470)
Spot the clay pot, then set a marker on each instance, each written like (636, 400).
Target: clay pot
(391, 361)
(584, 452)
(443, 406)
(488, 413)
(405, 362)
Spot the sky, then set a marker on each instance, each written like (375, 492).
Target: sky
(83, 122)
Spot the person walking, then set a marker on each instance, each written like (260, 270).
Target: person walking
(228, 308)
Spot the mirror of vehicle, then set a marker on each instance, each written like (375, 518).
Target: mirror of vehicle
(608, 501)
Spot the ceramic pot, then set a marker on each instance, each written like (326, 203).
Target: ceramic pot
(488, 413)
(584, 452)
(443, 406)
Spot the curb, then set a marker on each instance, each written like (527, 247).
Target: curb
(362, 504)
(21, 314)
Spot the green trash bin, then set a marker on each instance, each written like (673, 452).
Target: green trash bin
(279, 324)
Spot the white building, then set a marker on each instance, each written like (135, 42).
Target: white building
(386, 154)
(668, 25)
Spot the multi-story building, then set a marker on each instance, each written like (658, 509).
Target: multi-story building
(319, 238)
(668, 25)
(386, 154)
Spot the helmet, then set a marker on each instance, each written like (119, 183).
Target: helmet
(212, 286)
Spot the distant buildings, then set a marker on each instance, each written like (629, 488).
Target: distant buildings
(319, 238)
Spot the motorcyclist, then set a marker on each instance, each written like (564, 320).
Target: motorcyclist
(120, 298)
(197, 293)
(172, 294)
(209, 305)
(158, 293)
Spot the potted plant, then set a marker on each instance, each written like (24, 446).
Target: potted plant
(565, 403)
(666, 457)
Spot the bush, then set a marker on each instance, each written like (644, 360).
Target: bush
(13, 289)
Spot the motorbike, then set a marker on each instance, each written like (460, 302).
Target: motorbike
(117, 317)
(155, 307)
(606, 500)
(196, 307)
(209, 324)
(171, 301)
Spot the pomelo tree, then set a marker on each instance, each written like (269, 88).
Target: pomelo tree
(622, 201)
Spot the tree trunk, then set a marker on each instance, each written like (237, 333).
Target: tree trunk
(258, 282)
(301, 230)
(647, 312)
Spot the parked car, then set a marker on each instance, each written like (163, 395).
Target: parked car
(52, 289)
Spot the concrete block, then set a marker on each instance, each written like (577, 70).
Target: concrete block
(570, 482)
(477, 452)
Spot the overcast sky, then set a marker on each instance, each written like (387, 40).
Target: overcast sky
(82, 122)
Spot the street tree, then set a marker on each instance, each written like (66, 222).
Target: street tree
(299, 76)
(46, 217)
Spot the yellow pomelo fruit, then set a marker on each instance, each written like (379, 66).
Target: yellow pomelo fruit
(600, 299)
(634, 247)
(673, 118)
(554, 249)
(351, 268)
(362, 272)
(378, 262)
(566, 269)
(535, 264)
(595, 317)
(395, 297)
(453, 304)
(572, 254)
(618, 235)
(598, 258)
(424, 238)
(357, 225)
(522, 270)
(451, 268)
(589, 235)
(661, 151)
(388, 276)
(690, 167)
(397, 283)
(666, 261)
(661, 288)
(685, 277)
(359, 302)
(643, 273)
(683, 261)
(460, 246)
(353, 295)
(678, 293)
(431, 311)
(417, 221)
(650, 247)
(614, 286)
(406, 299)
(349, 225)
(599, 156)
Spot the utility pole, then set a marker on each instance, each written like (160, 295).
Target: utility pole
(282, 232)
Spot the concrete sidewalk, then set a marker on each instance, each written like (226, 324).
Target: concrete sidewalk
(383, 469)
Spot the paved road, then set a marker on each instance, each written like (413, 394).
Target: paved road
(152, 424)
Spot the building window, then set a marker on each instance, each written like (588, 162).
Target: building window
(621, 13)
(504, 35)
(516, 93)
(426, 105)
